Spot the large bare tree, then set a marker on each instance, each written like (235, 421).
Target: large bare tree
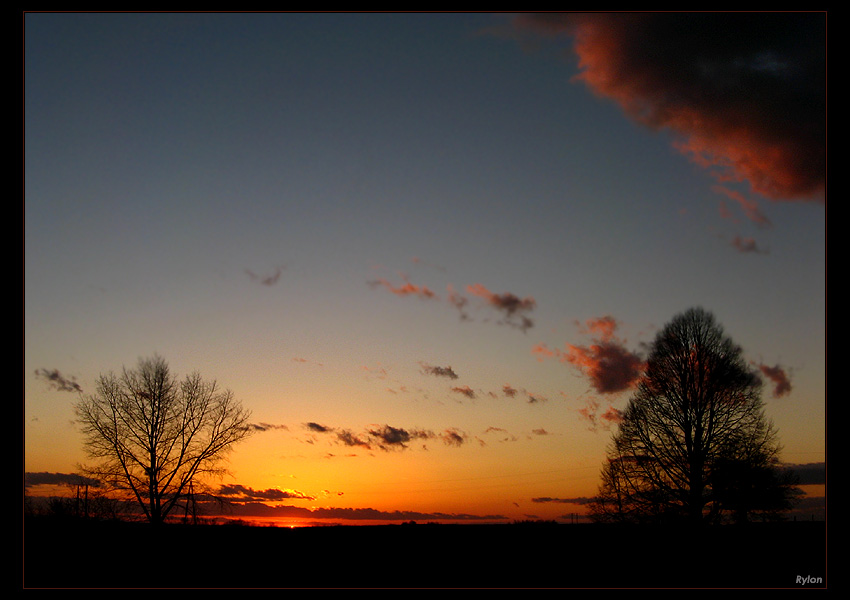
(155, 437)
(694, 442)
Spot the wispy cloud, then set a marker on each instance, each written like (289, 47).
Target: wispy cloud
(386, 437)
(536, 398)
(439, 371)
(513, 309)
(405, 289)
(299, 359)
(464, 390)
(547, 500)
(45, 478)
(418, 261)
(57, 381)
(744, 92)
(453, 437)
(458, 301)
(749, 206)
(285, 511)
(241, 493)
(747, 245)
(590, 412)
(348, 438)
(510, 391)
(505, 436)
(259, 427)
(269, 279)
(378, 372)
(317, 428)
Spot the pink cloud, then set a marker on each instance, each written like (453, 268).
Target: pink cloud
(602, 327)
(608, 364)
(464, 391)
(511, 305)
(749, 206)
(590, 413)
(405, 289)
(745, 93)
(779, 377)
(514, 309)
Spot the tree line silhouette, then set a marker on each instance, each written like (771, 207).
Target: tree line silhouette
(694, 444)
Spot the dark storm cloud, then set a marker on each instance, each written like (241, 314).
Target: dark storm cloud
(58, 381)
(744, 92)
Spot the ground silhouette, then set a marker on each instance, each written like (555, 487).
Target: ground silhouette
(69, 554)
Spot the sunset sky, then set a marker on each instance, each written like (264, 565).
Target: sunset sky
(426, 251)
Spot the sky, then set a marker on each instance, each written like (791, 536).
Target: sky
(428, 252)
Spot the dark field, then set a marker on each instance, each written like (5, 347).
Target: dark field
(103, 555)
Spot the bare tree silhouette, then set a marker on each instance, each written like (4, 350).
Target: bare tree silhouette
(155, 437)
(694, 442)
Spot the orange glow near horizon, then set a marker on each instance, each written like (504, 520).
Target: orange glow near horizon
(429, 263)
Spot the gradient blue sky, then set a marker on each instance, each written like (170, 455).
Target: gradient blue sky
(241, 194)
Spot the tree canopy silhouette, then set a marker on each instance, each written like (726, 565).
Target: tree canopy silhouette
(154, 436)
(694, 443)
